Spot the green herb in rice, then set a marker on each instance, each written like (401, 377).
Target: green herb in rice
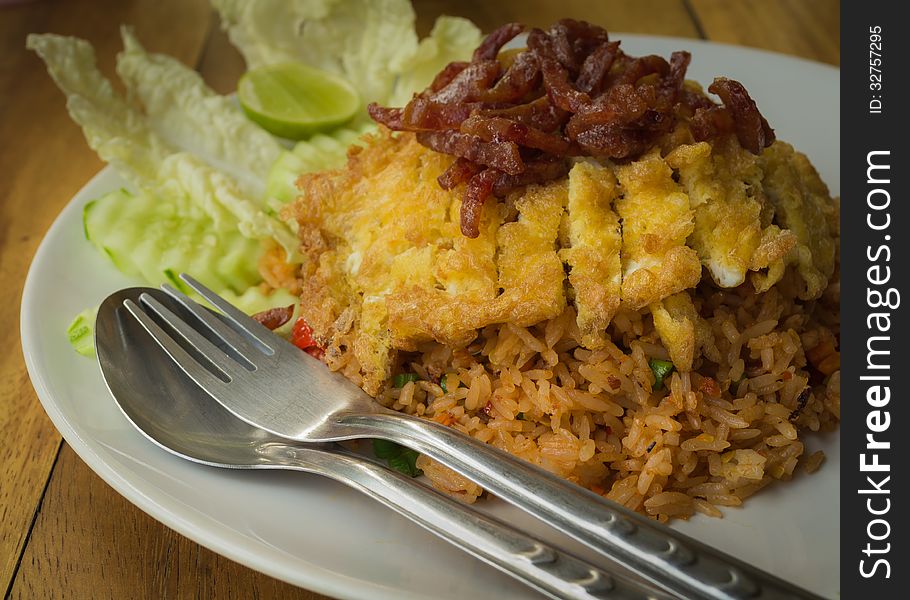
(403, 460)
(661, 370)
(400, 380)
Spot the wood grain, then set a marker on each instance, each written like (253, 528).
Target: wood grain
(44, 161)
(221, 63)
(89, 542)
(660, 17)
(69, 533)
(806, 28)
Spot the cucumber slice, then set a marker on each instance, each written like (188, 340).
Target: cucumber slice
(318, 153)
(327, 145)
(281, 183)
(81, 332)
(146, 237)
(85, 210)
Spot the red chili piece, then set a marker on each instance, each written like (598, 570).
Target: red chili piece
(302, 337)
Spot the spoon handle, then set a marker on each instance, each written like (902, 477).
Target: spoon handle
(535, 563)
(666, 558)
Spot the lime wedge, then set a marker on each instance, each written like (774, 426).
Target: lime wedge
(294, 101)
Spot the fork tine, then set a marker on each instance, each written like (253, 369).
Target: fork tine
(209, 351)
(189, 365)
(245, 323)
(237, 342)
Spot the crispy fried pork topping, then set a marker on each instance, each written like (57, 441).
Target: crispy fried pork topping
(514, 118)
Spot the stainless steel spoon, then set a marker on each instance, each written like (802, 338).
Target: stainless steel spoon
(169, 409)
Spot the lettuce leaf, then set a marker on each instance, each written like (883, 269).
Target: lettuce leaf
(222, 200)
(115, 130)
(130, 141)
(187, 114)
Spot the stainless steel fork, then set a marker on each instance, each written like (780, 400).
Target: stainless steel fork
(269, 383)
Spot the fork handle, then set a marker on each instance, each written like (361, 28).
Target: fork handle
(548, 569)
(666, 558)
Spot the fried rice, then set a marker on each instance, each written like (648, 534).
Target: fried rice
(710, 437)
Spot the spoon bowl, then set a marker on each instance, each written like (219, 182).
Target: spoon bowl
(163, 403)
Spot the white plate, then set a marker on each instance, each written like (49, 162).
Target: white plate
(324, 537)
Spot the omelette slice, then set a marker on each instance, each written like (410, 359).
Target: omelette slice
(388, 269)
(681, 329)
(595, 242)
(465, 282)
(656, 220)
(530, 272)
(388, 266)
(527, 290)
(803, 205)
(369, 231)
(724, 185)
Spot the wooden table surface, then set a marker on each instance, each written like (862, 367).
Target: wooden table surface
(63, 531)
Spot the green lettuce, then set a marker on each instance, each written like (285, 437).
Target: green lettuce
(189, 115)
(115, 130)
(135, 142)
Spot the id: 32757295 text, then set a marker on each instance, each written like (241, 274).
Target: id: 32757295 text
(875, 69)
